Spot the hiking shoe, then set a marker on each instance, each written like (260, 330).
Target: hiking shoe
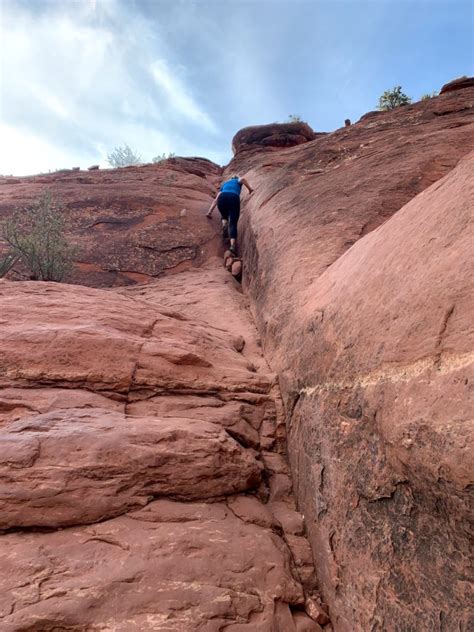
(233, 249)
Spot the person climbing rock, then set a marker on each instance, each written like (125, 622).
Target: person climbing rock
(228, 203)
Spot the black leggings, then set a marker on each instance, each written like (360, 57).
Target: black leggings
(229, 207)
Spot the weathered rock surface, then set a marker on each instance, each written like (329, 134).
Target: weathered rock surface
(363, 303)
(117, 406)
(81, 466)
(131, 224)
(457, 84)
(273, 136)
(171, 566)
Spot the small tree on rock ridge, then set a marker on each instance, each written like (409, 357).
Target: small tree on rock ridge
(123, 157)
(392, 99)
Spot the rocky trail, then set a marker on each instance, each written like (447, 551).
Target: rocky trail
(293, 453)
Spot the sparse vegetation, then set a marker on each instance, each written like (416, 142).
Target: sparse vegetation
(162, 157)
(295, 118)
(392, 99)
(123, 157)
(7, 263)
(428, 95)
(36, 236)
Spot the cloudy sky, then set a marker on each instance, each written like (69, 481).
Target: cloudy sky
(80, 77)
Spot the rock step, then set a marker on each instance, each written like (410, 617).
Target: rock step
(233, 264)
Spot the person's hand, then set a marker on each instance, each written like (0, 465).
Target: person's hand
(250, 191)
(209, 214)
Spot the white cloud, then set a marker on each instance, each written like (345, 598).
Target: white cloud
(79, 79)
(24, 153)
(177, 95)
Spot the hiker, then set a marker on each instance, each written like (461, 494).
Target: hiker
(228, 203)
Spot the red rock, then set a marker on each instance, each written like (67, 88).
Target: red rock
(369, 335)
(303, 623)
(316, 611)
(93, 168)
(249, 509)
(236, 268)
(239, 343)
(457, 84)
(291, 520)
(111, 398)
(61, 336)
(117, 463)
(127, 223)
(179, 565)
(22, 403)
(276, 135)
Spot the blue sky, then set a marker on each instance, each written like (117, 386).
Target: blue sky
(80, 77)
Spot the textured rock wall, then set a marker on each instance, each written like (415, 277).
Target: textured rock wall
(129, 225)
(363, 301)
(143, 481)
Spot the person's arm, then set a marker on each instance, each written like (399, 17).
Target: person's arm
(213, 206)
(246, 184)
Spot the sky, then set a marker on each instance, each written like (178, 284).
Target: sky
(81, 77)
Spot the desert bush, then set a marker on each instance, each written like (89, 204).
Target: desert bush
(7, 262)
(36, 236)
(123, 157)
(295, 118)
(162, 157)
(428, 95)
(392, 99)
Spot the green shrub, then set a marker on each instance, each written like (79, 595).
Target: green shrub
(7, 263)
(392, 99)
(36, 236)
(123, 157)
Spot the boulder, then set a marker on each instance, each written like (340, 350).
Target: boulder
(457, 84)
(275, 135)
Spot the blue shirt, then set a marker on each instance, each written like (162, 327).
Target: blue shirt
(232, 186)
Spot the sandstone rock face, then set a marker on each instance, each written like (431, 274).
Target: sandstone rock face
(362, 298)
(142, 479)
(170, 566)
(144, 483)
(130, 224)
(119, 462)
